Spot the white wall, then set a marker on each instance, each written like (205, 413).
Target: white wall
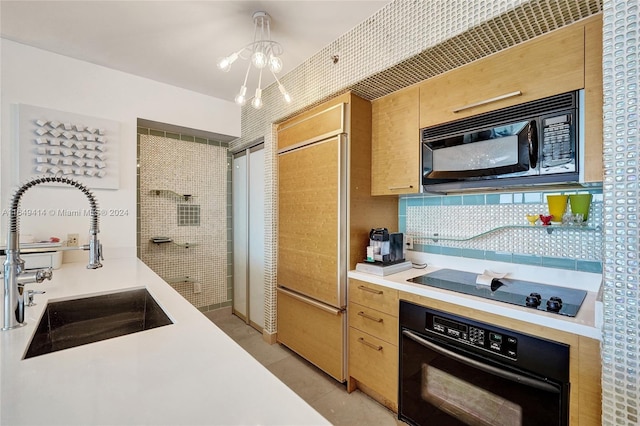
(37, 77)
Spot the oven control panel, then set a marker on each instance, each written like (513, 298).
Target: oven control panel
(494, 342)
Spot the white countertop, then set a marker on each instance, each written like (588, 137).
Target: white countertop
(588, 321)
(186, 373)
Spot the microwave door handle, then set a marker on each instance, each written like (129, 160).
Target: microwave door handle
(533, 144)
(528, 381)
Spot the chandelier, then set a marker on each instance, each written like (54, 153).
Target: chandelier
(261, 53)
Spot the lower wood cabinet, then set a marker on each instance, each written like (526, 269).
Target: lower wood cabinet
(374, 359)
(315, 333)
(373, 342)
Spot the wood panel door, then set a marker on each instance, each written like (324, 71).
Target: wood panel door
(315, 332)
(547, 65)
(312, 206)
(395, 143)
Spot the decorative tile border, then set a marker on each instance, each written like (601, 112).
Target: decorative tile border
(462, 216)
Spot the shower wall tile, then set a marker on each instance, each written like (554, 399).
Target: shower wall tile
(170, 165)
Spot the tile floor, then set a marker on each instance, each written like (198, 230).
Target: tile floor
(323, 393)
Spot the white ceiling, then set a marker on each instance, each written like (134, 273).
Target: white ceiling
(179, 42)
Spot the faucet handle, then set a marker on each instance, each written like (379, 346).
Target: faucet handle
(43, 274)
(30, 294)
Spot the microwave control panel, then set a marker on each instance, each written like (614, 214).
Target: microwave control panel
(558, 142)
(478, 337)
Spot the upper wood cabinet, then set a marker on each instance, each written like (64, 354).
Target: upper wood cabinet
(395, 139)
(545, 66)
(321, 122)
(593, 100)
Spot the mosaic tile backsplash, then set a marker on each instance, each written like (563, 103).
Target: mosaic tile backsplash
(494, 227)
(183, 195)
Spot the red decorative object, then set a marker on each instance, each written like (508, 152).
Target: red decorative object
(546, 220)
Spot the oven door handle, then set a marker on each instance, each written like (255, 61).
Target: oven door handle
(508, 375)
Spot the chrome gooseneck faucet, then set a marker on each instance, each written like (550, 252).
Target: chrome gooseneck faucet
(15, 277)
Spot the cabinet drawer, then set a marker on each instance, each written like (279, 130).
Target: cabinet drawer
(545, 66)
(376, 323)
(315, 127)
(315, 333)
(374, 363)
(377, 297)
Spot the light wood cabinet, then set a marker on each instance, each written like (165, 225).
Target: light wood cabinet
(584, 362)
(395, 143)
(545, 66)
(325, 213)
(593, 100)
(316, 334)
(313, 126)
(373, 342)
(561, 61)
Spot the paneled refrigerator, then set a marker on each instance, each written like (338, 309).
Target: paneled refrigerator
(325, 213)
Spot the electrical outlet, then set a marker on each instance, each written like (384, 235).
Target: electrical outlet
(408, 242)
(72, 240)
(197, 287)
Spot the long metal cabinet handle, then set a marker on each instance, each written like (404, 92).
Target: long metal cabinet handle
(393, 188)
(524, 380)
(371, 345)
(370, 290)
(488, 101)
(369, 317)
(308, 301)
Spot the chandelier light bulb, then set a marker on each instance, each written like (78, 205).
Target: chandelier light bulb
(241, 98)
(256, 102)
(275, 64)
(259, 60)
(225, 63)
(262, 53)
(285, 94)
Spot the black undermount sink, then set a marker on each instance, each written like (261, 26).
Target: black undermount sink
(70, 323)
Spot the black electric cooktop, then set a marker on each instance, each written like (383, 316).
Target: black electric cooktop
(543, 297)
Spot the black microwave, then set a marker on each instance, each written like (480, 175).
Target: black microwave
(528, 144)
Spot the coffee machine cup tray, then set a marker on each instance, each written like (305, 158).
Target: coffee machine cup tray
(383, 268)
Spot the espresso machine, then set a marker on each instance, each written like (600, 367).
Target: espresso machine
(384, 247)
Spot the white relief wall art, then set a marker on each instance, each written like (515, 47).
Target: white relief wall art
(65, 144)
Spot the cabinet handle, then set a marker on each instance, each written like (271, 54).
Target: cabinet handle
(371, 345)
(370, 290)
(369, 317)
(394, 188)
(488, 101)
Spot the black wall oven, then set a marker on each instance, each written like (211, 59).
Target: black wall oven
(458, 371)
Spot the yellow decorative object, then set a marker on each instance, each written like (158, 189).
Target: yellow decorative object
(533, 218)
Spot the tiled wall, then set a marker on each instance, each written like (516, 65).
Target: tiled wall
(494, 227)
(184, 194)
(621, 337)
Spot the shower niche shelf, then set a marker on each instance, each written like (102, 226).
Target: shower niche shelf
(171, 194)
(177, 280)
(166, 240)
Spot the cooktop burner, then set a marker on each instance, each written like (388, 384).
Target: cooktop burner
(543, 297)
